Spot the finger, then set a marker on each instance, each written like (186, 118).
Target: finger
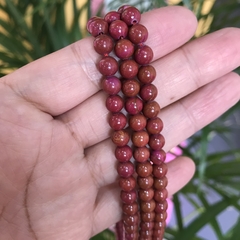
(108, 208)
(184, 72)
(62, 80)
(181, 120)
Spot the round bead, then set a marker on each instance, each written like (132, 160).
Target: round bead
(151, 109)
(133, 105)
(131, 15)
(161, 207)
(125, 169)
(146, 235)
(131, 236)
(160, 195)
(146, 195)
(128, 69)
(156, 141)
(117, 121)
(137, 122)
(160, 183)
(159, 171)
(131, 228)
(143, 55)
(154, 125)
(146, 226)
(148, 206)
(158, 157)
(127, 184)
(123, 7)
(124, 49)
(89, 22)
(97, 26)
(159, 217)
(130, 220)
(146, 74)
(111, 85)
(140, 138)
(108, 66)
(130, 209)
(158, 234)
(123, 154)
(147, 217)
(114, 103)
(138, 34)
(118, 29)
(141, 154)
(128, 197)
(112, 16)
(144, 169)
(159, 225)
(130, 87)
(103, 44)
(145, 182)
(120, 138)
(148, 92)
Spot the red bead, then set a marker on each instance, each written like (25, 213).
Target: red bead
(97, 26)
(159, 171)
(128, 197)
(145, 182)
(148, 206)
(158, 234)
(146, 234)
(128, 69)
(130, 220)
(133, 105)
(158, 157)
(127, 184)
(147, 217)
(114, 103)
(146, 74)
(130, 209)
(108, 66)
(117, 121)
(130, 87)
(146, 226)
(160, 195)
(131, 228)
(143, 55)
(138, 34)
(146, 195)
(123, 7)
(124, 49)
(125, 169)
(154, 125)
(131, 15)
(148, 92)
(151, 109)
(160, 183)
(144, 169)
(141, 154)
(118, 29)
(103, 44)
(160, 216)
(131, 236)
(156, 141)
(89, 22)
(120, 138)
(161, 207)
(112, 16)
(140, 138)
(111, 85)
(123, 154)
(137, 122)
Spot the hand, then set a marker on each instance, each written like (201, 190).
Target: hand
(57, 167)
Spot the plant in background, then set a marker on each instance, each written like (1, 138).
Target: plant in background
(30, 29)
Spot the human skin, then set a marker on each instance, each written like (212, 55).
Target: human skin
(58, 175)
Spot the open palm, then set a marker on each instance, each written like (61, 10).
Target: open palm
(58, 175)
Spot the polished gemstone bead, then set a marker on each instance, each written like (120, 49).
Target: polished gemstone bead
(161, 207)
(103, 44)
(120, 137)
(159, 225)
(130, 209)
(157, 156)
(128, 197)
(127, 184)
(148, 92)
(140, 138)
(124, 49)
(117, 121)
(138, 34)
(131, 15)
(89, 22)
(108, 66)
(144, 169)
(123, 7)
(130, 87)
(146, 195)
(159, 171)
(114, 103)
(158, 234)
(133, 105)
(160, 195)
(146, 226)
(137, 122)
(146, 74)
(148, 217)
(144, 234)
(145, 182)
(128, 69)
(131, 228)
(160, 183)
(141, 154)
(123, 154)
(156, 141)
(154, 125)
(151, 109)
(131, 236)
(145, 238)
(159, 217)
(97, 26)
(130, 220)
(125, 169)
(112, 16)
(143, 55)
(148, 206)
(111, 85)
(118, 29)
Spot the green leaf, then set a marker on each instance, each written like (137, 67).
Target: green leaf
(105, 235)
(177, 209)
